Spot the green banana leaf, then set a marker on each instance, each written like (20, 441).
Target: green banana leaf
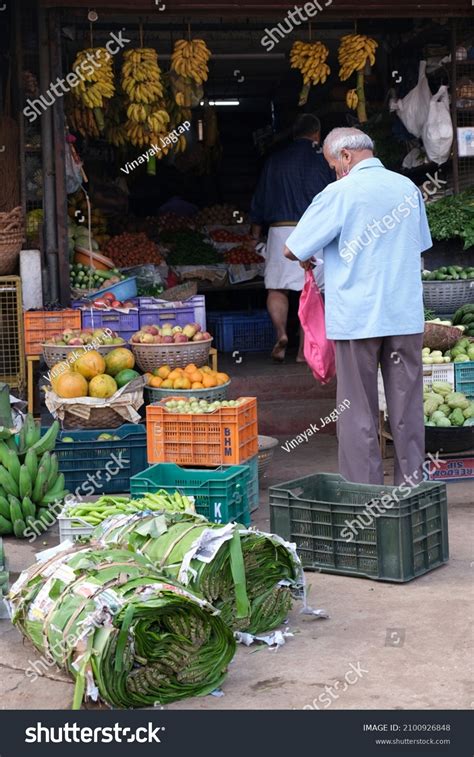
(123, 631)
(248, 575)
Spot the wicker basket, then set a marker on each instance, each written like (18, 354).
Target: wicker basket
(156, 394)
(180, 292)
(100, 417)
(150, 356)
(11, 240)
(447, 296)
(266, 449)
(53, 353)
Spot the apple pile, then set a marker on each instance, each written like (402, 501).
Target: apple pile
(80, 337)
(108, 300)
(169, 334)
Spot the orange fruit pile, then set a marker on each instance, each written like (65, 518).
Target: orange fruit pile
(190, 377)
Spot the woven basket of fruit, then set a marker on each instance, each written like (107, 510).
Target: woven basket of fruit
(174, 346)
(211, 394)
(266, 449)
(71, 343)
(100, 417)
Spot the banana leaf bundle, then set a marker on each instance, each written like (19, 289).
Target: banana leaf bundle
(120, 629)
(248, 575)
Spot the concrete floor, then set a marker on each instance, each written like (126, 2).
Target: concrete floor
(402, 646)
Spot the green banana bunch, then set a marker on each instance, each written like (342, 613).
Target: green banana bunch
(30, 481)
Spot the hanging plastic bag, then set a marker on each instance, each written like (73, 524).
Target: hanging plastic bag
(438, 130)
(73, 168)
(413, 109)
(318, 349)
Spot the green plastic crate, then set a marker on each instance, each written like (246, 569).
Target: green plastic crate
(252, 485)
(408, 540)
(221, 494)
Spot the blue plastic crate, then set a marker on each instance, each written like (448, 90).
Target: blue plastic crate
(464, 378)
(179, 314)
(221, 494)
(245, 331)
(125, 324)
(111, 464)
(156, 311)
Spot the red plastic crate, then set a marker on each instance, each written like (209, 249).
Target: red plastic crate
(228, 436)
(40, 325)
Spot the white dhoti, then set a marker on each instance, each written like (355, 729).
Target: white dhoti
(281, 273)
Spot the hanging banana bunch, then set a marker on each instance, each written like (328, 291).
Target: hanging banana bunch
(352, 99)
(190, 60)
(309, 58)
(141, 75)
(142, 82)
(355, 51)
(114, 122)
(81, 119)
(98, 85)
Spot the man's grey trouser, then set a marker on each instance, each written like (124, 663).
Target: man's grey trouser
(357, 362)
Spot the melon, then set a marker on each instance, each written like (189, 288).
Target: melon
(70, 385)
(102, 386)
(118, 360)
(90, 364)
(57, 370)
(125, 376)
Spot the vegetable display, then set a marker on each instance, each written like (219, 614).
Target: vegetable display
(444, 408)
(189, 248)
(449, 273)
(463, 351)
(121, 630)
(85, 277)
(247, 575)
(465, 317)
(29, 479)
(453, 217)
(107, 506)
(130, 249)
(243, 255)
(199, 407)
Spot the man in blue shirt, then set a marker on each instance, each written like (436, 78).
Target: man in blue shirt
(372, 225)
(289, 181)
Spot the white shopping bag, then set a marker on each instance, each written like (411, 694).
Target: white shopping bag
(437, 133)
(413, 109)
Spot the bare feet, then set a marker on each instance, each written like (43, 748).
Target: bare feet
(300, 358)
(279, 350)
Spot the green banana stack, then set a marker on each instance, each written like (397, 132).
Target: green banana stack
(107, 506)
(29, 479)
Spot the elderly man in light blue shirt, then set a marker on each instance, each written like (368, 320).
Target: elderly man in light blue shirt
(372, 225)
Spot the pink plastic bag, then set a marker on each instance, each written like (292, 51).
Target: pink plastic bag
(318, 349)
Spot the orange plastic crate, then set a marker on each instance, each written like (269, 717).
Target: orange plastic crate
(40, 325)
(228, 436)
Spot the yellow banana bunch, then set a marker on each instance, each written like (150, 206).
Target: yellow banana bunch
(116, 135)
(309, 58)
(137, 134)
(141, 75)
(352, 99)
(158, 121)
(98, 83)
(354, 52)
(190, 60)
(137, 112)
(81, 118)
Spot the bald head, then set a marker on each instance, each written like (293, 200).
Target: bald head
(345, 147)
